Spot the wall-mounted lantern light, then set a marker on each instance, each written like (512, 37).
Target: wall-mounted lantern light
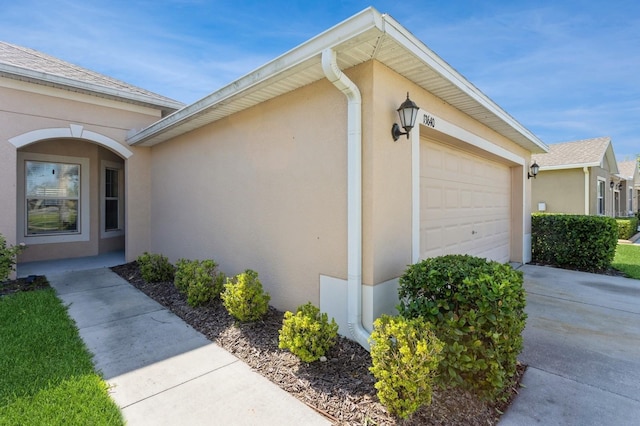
(619, 186)
(534, 170)
(611, 184)
(408, 112)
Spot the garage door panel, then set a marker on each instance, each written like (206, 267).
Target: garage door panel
(465, 204)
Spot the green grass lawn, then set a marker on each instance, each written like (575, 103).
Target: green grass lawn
(627, 260)
(46, 373)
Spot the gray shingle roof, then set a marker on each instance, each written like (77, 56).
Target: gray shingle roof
(31, 65)
(627, 169)
(586, 152)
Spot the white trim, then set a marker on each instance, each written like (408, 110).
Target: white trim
(586, 190)
(415, 195)
(451, 130)
(104, 165)
(74, 131)
(604, 199)
(85, 202)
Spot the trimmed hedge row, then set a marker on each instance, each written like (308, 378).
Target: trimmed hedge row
(627, 227)
(586, 243)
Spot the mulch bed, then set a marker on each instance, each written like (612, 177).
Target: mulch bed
(341, 388)
(34, 282)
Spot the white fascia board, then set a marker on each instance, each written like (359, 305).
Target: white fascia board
(569, 166)
(418, 48)
(358, 24)
(11, 71)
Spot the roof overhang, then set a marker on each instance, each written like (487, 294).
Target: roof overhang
(64, 83)
(366, 36)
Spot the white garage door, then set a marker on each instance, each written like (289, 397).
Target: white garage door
(465, 204)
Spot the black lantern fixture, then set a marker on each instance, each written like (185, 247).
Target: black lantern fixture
(534, 170)
(408, 112)
(611, 184)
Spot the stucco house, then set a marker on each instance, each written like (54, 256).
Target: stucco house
(578, 177)
(630, 187)
(291, 170)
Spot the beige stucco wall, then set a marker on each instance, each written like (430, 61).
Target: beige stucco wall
(25, 108)
(264, 189)
(387, 175)
(562, 191)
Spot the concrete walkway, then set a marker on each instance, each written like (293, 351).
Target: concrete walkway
(162, 371)
(582, 346)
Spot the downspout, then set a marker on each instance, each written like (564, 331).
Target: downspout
(354, 195)
(586, 190)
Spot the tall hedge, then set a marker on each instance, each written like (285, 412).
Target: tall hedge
(586, 243)
(627, 227)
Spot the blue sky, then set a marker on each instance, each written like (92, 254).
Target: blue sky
(566, 70)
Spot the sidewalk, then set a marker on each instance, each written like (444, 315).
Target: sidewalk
(161, 370)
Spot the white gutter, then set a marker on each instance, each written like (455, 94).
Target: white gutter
(354, 194)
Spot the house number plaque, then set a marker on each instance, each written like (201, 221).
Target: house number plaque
(428, 120)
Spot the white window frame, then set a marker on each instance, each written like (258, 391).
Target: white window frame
(84, 222)
(600, 198)
(104, 165)
(630, 212)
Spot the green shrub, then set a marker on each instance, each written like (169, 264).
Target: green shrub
(585, 243)
(155, 268)
(8, 257)
(199, 280)
(477, 309)
(405, 354)
(627, 227)
(244, 298)
(307, 333)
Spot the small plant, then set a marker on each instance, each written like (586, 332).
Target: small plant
(199, 280)
(244, 298)
(155, 268)
(308, 333)
(405, 354)
(8, 258)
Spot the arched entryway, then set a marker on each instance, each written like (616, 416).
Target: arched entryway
(70, 186)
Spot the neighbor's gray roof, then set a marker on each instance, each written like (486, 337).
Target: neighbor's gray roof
(368, 35)
(22, 63)
(628, 168)
(575, 154)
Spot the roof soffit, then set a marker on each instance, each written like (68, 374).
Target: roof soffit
(366, 36)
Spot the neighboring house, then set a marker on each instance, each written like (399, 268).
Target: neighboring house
(578, 177)
(291, 170)
(630, 190)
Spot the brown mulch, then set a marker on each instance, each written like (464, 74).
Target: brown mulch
(35, 282)
(341, 388)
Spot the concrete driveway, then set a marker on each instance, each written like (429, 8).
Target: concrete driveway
(582, 346)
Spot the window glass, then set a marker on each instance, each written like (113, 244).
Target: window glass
(112, 202)
(52, 197)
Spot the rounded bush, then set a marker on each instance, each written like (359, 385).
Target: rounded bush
(199, 280)
(405, 354)
(477, 309)
(155, 268)
(244, 298)
(308, 333)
